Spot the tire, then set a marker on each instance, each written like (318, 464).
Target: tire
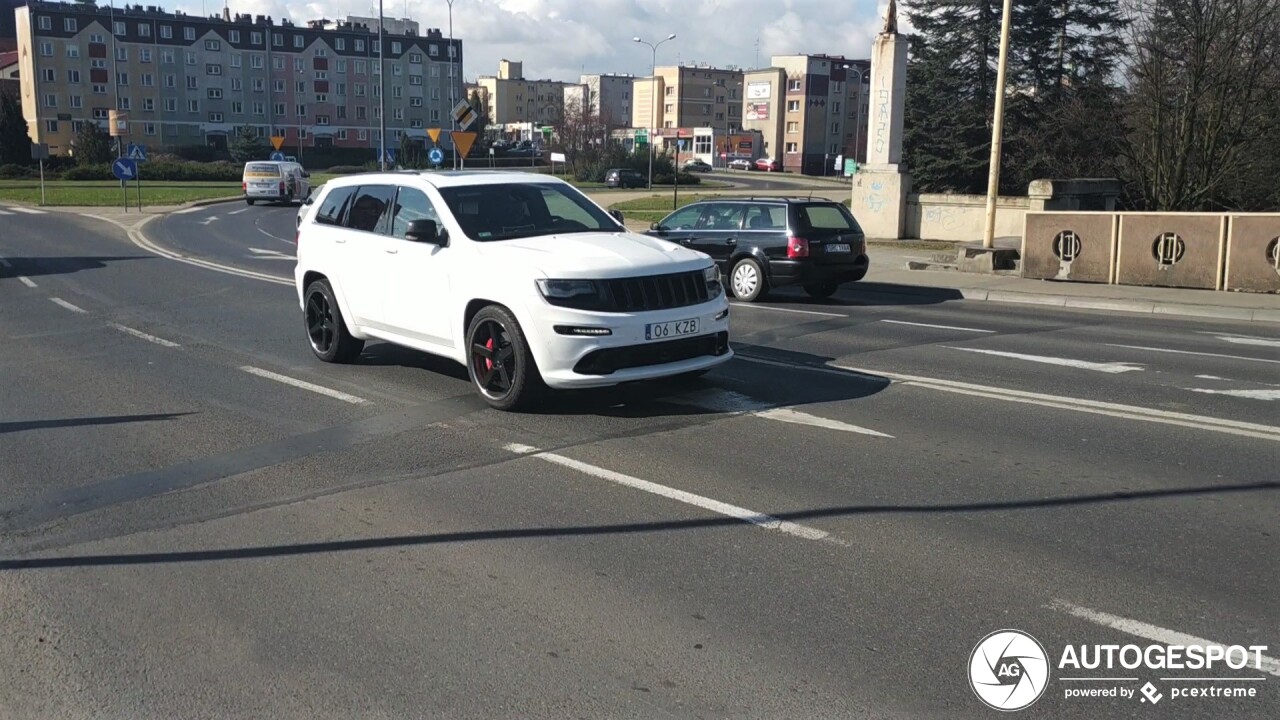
(248, 201)
(747, 280)
(821, 291)
(499, 362)
(327, 332)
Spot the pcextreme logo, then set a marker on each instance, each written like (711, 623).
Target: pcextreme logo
(1009, 670)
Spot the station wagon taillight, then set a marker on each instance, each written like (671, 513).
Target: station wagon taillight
(797, 247)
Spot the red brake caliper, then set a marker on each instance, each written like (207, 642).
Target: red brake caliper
(488, 362)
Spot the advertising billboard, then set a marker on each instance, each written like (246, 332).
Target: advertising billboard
(759, 91)
(758, 111)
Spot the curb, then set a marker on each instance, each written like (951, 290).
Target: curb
(1145, 307)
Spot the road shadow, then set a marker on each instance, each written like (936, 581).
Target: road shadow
(42, 266)
(384, 354)
(403, 541)
(22, 425)
(863, 294)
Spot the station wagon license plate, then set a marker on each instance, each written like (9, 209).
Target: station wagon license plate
(675, 328)
(838, 248)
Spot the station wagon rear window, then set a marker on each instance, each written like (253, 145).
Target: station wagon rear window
(827, 217)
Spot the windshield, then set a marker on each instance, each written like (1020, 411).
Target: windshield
(516, 210)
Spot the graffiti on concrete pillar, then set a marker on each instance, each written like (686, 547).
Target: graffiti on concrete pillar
(882, 120)
(875, 200)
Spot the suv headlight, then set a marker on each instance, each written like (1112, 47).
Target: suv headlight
(712, 277)
(566, 289)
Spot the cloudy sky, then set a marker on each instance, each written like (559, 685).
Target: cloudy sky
(560, 39)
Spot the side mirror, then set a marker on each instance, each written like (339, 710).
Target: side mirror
(426, 231)
(657, 227)
(617, 215)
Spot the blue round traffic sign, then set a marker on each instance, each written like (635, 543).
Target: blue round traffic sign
(277, 156)
(436, 156)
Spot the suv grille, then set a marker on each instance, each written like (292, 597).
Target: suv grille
(657, 292)
(609, 360)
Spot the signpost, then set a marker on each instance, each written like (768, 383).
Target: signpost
(125, 169)
(138, 154)
(436, 156)
(850, 167)
(277, 141)
(118, 126)
(40, 151)
(464, 115)
(277, 156)
(462, 142)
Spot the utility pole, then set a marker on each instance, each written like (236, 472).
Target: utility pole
(997, 131)
(653, 97)
(382, 95)
(453, 102)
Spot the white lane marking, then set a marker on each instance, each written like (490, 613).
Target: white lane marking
(939, 327)
(1250, 394)
(1189, 352)
(1106, 367)
(237, 212)
(209, 220)
(1244, 339)
(140, 240)
(185, 211)
(273, 237)
(1164, 636)
(26, 281)
(329, 392)
(1095, 407)
(786, 310)
(787, 415)
(768, 522)
(64, 304)
(1212, 377)
(260, 254)
(139, 334)
(2, 212)
(28, 211)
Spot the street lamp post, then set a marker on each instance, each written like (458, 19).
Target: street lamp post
(653, 97)
(382, 95)
(453, 102)
(997, 130)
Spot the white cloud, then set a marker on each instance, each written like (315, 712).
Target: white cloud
(561, 39)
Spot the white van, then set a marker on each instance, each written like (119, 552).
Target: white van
(272, 181)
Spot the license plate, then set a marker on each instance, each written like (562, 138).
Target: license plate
(838, 248)
(675, 328)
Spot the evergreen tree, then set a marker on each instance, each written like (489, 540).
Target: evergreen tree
(246, 146)
(15, 144)
(92, 146)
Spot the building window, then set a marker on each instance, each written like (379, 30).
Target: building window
(234, 37)
(118, 28)
(793, 86)
(235, 60)
(298, 41)
(237, 108)
(277, 40)
(395, 48)
(99, 89)
(171, 105)
(433, 51)
(793, 147)
(359, 90)
(361, 112)
(122, 78)
(149, 104)
(166, 57)
(415, 123)
(302, 110)
(255, 62)
(322, 98)
(259, 85)
(166, 32)
(46, 23)
(793, 127)
(435, 94)
(149, 128)
(144, 55)
(51, 100)
(453, 51)
(670, 92)
(237, 84)
(300, 86)
(46, 49)
(835, 107)
(51, 125)
(100, 114)
(793, 106)
(73, 51)
(193, 106)
(342, 112)
(341, 89)
(148, 80)
(360, 67)
(435, 71)
(77, 101)
(342, 134)
(415, 102)
(322, 75)
(277, 85)
(49, 74)
(189, 33)
(255, 38)
(340, 44)
(215, 93)
(415, 58)
(415, 79)
(279, 109)
(123, 103)
(362, 134)
(302, 133)
(122, 54)
(719, 117)
(397, 92)
(835, 128)
(170, 81)
(259, 108)
(322, 119)
(191, 58)
(397, 114)
(359, 45)
(211, 69)
(342, 66)
(69, 25)
(435, 116)
(98, 64)
(96, 38)
(144, 30)
(191, 82)
(215, 117)
(669, 107)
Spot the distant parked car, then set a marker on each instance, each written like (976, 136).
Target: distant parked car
(624, 178)
(768, 165)
(740, 165)
(697, 166)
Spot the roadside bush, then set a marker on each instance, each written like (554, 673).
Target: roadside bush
(665, 178)
(191, 171)
(17, 172)
(97, 171)
(345, 169)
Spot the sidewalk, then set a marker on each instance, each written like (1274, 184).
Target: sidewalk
(889, 277)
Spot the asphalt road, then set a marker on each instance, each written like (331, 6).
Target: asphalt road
(198, 519)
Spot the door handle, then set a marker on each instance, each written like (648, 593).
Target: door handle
(392, 251)
(731, 241)
(340, 242)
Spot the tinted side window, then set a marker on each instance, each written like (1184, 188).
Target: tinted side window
(766, 217)
(827, 217)
(334, 206)
(411, 204)
(683, 219)
(369, 207)
(720, 216)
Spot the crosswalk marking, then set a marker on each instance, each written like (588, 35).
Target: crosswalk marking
(2, 212)
(28, 211)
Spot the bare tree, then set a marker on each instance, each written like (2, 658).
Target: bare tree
(1203, 101)
(582, 134)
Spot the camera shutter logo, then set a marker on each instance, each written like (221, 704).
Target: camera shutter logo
(1009, 670)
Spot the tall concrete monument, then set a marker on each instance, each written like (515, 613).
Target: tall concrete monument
(880, 188)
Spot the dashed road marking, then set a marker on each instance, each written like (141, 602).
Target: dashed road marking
(237, 212)
(1105, 367)
(303, 384)
(64, 304)
(1155, 633)
(939, 327)
(1249, 394)
(145, 336)
(1191, 352)
(1245, 339)
(26, 281)
(733, 403)
(795, 417)
(28, 211)
(768, 522)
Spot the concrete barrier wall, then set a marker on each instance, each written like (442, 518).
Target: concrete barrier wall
(1253, 253)
(962, 218)
(1171, 250)
(1078, 246)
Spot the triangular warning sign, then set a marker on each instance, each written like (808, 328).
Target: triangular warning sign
(463, 141)
(277, 141)
(434, 134)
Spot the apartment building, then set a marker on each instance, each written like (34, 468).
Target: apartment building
(688, 97)
(514, 99)
(811, 110)
(187, 80)
(609, 96)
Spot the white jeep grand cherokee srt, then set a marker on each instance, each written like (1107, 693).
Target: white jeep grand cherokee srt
(519, 276)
